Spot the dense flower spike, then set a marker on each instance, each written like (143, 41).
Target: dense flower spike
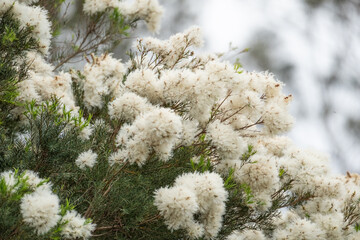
(40, 210)
(229, 143)
(102, 77)
(158, 130)
(192, 194)
(86, 159)
(76, 226)
(128, 106)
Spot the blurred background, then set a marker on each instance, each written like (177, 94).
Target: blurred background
(313, 46)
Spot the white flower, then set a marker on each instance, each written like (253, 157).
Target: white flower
(94, 6)
(300, 229)
(193, 193)
(36, 17)
(10, 180)
(148, 10)
(86, 132)
(229, 143)
(332, 224)
(276, 118)
(145, 83)
(40, 210)
(128, 106)
(102, 77)
(247, 234)
(76, 226)
(86, 159)
(33, 179)
(190, 130)
(158, 129)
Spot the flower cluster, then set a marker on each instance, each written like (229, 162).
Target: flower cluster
(158, 130)
(103, 77)
(40, 210)
(76, 226)
(193, 193)
(86, 159)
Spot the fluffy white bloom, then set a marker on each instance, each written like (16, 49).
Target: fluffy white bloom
(262, 176)
(179, 85)
(332, 224)
(102, 77)
(353, 236)
(190, 130)
(38, 64)
(171, 51)
(128, 106)
(42, 84)
(86, 132)
(300, 229)
(193, 193)
(264, 83)
(243, 108)
(27, 91)
(10, 180)
(86, 159)
(179, 42)
(229, 143)
(158, 129)
(247, 234)
(62, 88)
(118, 157)
(222, 73)
(39, 71)
(307, 166)
(37, 18)
(95, 6)
(40, 210)
(76, 226)
(320, 205)
(351, 183)
(178, 206)
(198, 90)
(224, 166)
(276, 118)
(274, 145)
(145, 83)
(5, 5)
(48, 85)
(261, 173)
(148, 10)
(33, 179)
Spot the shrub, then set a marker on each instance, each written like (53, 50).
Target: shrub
(168, 145)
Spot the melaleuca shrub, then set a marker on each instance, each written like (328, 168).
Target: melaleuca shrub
(168, 145)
